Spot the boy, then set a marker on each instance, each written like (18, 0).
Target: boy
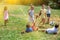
(52, 30)
(48, 13)
(28, 29)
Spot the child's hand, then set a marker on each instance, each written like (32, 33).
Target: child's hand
(37, 16)
(23, 32)
(31, 16)
(40, 13)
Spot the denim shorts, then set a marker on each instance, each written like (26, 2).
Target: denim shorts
(48, 15)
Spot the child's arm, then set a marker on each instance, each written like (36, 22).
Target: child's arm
(40, 13)
(36, 15)
(45, 13)
(42, 30)
(29, 14)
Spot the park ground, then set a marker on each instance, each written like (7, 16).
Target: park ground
(18, 18)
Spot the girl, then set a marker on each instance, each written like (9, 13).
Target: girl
(31, 14)
(43, 13)
(5, 15)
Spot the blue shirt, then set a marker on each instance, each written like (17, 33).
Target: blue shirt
(29, 29)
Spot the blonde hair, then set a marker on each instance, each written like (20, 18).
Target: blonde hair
(32, 7)
(5, 8)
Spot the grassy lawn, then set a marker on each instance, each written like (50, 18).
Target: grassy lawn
(18, 18)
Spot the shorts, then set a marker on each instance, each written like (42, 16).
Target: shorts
(48, 15)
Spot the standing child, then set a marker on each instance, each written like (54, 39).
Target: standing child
(31, 14)
(5, 15)
(43, 13)
(48, 14)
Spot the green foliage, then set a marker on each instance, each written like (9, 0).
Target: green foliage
(54, 4)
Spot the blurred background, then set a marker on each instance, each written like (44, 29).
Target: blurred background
(52, 3)
(18, 18)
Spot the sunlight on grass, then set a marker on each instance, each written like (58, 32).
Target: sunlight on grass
(1, 16)
(18, 18)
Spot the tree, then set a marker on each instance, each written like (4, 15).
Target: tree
(54, 3)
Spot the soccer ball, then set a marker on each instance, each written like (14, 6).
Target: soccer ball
(51, 23)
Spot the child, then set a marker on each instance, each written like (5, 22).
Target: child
(28, 29)
(48, 13)
(43, 13)
(31, 14)
(52, 30)
(30, 6)
(5, 15)
(34, 28)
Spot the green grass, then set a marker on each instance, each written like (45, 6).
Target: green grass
(18, 18)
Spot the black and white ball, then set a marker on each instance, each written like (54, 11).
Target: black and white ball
(52, 23)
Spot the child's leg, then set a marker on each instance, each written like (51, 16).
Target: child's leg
(42, 30)
(22, 32)
(48, 16)
(5, 22)
(48, 19)
(43, 20)
(37, 16)
(32, 19)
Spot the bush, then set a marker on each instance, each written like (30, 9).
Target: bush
(54, 5)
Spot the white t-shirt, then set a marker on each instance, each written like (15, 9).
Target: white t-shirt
(31, 12)
(48, 11)
(52, 30)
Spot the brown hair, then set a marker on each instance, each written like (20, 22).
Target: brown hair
(28, 25)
